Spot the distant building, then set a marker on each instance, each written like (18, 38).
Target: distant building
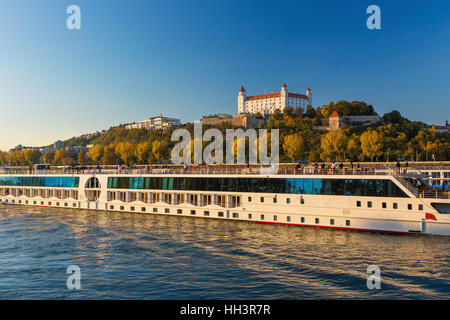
(45, 149)
(239, 120)
(336, 122)
(443, 129)
(268, 103)
(155, 123)
(76, 149)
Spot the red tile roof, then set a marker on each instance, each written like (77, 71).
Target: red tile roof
(334, 114)
(265, 96)
(297, 95)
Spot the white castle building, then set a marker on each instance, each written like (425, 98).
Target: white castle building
(268, 103)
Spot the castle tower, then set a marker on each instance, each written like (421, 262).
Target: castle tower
(242, 96)
(284, 96)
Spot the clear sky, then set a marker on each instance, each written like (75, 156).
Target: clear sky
(139, 58)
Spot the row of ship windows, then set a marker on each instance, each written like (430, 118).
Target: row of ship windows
(275, 200)
(42, 203)
(384, 205)
(221, 214)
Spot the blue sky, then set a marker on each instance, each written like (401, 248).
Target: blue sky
(185, 59)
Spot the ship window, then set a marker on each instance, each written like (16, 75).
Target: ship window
(395, 205)
(57, 203)
(317, 220)
(20, 201)
(275, 218)
(220, 214)
(206, 213)
(262, 217)
(249, 199)
(235, 215)
(262, 199)
(409, 206)
(288, 200)
(122, 208)
(179, 211)
(250, 216)
(302, 220)
(384, 205)
(358, 203)
(347, 223)
(288, 218)
(274, 200)
(302, 201)
(132, 208)
(26, 201)
(155, 209)
(111, 207)
(143, 209)
(166, 210)
(332, 221)
(34, 202)
(49, 203)
(420, 206)
(42, 203)
(74, 205)
(193, 212)
(369, 204)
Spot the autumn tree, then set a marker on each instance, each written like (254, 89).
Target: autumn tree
(126, 151)
(82, 157)
(293, 146)
(59, 155)
(96, 153)
(371, 144)
(334, 145)
(49, 156)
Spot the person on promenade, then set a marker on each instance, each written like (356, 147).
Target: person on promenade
(398, 167)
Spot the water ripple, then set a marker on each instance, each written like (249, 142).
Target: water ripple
(142, 256)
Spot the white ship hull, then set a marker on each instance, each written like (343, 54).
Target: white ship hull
(408, 214)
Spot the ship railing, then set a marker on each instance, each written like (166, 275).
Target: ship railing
(435, 194)
(209, 170)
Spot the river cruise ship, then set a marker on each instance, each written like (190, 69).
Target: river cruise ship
(378, 200)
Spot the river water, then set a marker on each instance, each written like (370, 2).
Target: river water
(146, 256)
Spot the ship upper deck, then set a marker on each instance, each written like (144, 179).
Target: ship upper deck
(404, 176)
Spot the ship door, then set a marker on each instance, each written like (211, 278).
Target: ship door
(88, 205)
(228, 213)
(424, 226)
(96, 206)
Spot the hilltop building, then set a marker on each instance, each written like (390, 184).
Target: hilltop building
(268, 103)
(336, 122)
(155, 123)
(244, 120)
(443, 129)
